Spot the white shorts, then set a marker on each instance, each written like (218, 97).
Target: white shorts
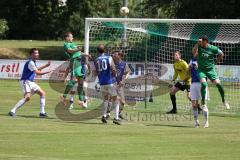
(29, 86)
(109, 89)
(195, 91)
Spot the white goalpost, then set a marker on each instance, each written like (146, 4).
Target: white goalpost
(148, 45)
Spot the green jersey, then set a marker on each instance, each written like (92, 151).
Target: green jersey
(71, 45)
(206, 57)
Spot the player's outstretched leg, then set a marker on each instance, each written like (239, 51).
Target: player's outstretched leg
(222, 93)
(19, 104)
(70, 85)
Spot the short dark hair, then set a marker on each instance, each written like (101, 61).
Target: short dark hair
(32, 50)
(119, 52)
(101, 48)
(115, 51)
(204, 38)
(67, 34)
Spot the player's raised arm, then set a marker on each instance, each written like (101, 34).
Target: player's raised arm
(33, 67)
(220, 56)
(44, 66)
(195, 48)
(38, 72)
(126, 73)
(112, 65)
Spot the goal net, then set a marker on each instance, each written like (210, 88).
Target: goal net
(148, 46)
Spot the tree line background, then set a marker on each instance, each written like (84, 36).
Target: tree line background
(49, 19)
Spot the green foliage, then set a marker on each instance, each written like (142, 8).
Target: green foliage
(49, 19)
(33, 19)
(194, 8)
(3, 27)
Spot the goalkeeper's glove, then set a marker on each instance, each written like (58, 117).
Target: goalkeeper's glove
(183, 82)
(171, 84)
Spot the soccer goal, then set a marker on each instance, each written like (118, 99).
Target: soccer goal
(149, 44)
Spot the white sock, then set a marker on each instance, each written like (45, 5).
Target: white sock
(71, 99)
(18, 105)
(116, 109)
(205, 112)
(195, 114)
(104, 108)
(42, 104)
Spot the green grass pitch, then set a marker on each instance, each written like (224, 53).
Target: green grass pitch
(28, 137)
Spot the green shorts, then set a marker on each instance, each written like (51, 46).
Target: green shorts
(76, 68)
(208, 73)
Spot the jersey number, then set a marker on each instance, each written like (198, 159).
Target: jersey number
(102, 65)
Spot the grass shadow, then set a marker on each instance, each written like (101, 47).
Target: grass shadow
(33, 116)
(169, 125)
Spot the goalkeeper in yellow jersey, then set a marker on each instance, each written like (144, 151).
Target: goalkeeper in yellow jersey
(180, 69)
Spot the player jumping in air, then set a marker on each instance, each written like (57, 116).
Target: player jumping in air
(28, 85)
(105, 70)
(195, 93)
(205, 54)
(76, 68)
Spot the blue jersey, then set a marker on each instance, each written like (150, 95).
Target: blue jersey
(28, 70)
(120, 67)
(194, 72)
(103, 67)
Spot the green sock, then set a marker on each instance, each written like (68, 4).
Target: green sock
(81, 92)
(203, 92)
(221, 91)
(69, 86)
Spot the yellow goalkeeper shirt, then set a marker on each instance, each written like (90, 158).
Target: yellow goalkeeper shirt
(181, 69)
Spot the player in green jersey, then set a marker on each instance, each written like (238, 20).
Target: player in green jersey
(205, 54)
(76, 69)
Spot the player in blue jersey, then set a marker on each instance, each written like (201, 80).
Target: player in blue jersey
(105, 70)
(195, 93)
(123, 72)
(28, 85)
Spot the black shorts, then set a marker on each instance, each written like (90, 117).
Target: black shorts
(182, 87)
